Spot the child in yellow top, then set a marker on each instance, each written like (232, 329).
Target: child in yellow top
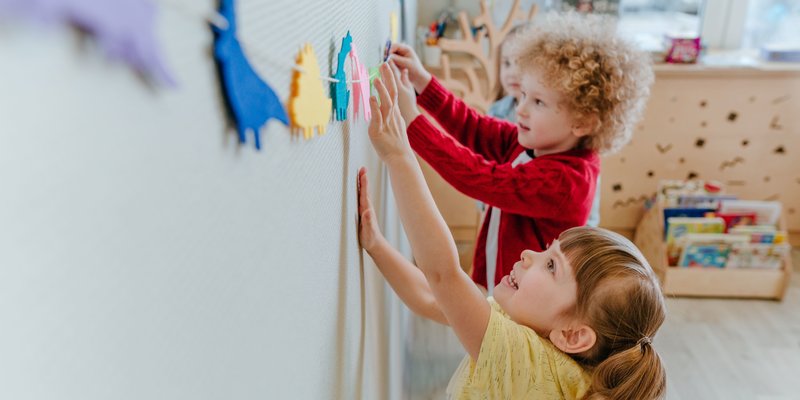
(571, 322)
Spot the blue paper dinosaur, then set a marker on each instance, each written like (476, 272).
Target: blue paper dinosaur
(339, 92)
(250, 100)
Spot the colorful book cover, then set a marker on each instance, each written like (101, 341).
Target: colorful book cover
(708, 249)
(680, 226)
(673, 212)
(735, 219)
(703, 200)
(767, 212)
(758, 255)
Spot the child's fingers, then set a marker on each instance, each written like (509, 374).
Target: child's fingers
(401, 49)
(376, 122)
(383, 94)
(403, 62)
(395, 71)
(388, 79)
(366, 203)
(405, 79)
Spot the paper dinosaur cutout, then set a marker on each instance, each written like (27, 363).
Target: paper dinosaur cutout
(125, 29)
(339, 92)
(251, 101)
(373, 74)
(361, 83)
(308, 105)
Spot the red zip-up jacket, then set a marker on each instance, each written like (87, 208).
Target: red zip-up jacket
(538, 199)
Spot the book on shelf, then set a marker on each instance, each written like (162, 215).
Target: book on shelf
(674, 212)
(708, 249)
(734, 219)
(767, 212)
(670, 190)
(702, 200)
(758, 255)
(760, 233)
(680, 226)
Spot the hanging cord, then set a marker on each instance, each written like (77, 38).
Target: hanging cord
(219, 21)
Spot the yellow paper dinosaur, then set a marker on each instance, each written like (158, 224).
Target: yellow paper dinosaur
(308, 105)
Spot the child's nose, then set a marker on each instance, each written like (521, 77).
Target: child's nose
(527, 258)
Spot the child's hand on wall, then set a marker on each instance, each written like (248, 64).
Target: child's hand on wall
(406, 98)
(369, 235)
(387, 129)
(405, 58)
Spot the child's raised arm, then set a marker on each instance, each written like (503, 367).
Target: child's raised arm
(405, 278)
(434, 249)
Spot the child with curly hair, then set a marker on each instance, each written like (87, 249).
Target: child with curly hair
(574, 321)
(582, 90)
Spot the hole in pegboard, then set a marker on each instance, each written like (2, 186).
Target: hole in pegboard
(735, 183)
(673, 99)
(622, 160)
(650, 174)
(791, 210)
(663, 149)
(731, 163)
(700, 142)
(703, 124)
(775, 123)
(703, 103)
(617, 187)
(745, 142)
(781, 99)
(732, 116)
(779, 150)
(767, 179)
(671, 120)
(691, 175)
(631, 201)
(681, 160)
(752, 99)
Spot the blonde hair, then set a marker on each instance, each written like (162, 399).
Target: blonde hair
(619, 296)
(597, 72)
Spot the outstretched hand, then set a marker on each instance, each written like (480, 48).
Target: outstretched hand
(387, 129)
(406, 98)
(404, 57)
(369, 234)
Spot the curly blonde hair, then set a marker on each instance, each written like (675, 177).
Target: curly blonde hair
(597, 72)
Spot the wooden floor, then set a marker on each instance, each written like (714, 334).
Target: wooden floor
(713, 349)
(733, 349)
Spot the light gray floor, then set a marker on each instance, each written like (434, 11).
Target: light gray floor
(712, 349)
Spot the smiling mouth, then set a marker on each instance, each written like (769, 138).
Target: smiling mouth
(512, 280)
(523, 127)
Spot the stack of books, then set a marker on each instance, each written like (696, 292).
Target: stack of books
(705, 227)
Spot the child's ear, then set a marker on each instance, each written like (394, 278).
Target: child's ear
(574, 339)
(585, 126)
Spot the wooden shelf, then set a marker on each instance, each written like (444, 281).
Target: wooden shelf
(706, 282)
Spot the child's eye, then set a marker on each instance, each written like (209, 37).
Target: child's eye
(538, 102)
(551, 266)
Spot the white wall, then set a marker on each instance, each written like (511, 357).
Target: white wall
(144, 254)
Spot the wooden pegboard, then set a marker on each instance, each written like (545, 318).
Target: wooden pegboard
(738, 126)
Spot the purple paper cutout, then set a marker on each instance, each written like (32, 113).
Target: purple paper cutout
(251, 101)
(360, 85)
(339, 92)
(125, 29)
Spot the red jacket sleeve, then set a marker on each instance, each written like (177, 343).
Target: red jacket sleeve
(487, 136)
(536, 189)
